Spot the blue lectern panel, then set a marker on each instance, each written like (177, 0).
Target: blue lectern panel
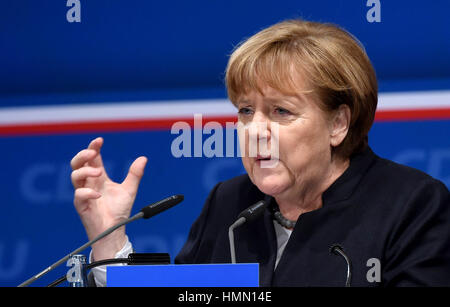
(190, 275)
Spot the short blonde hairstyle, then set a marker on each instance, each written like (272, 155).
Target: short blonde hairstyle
(333, 62)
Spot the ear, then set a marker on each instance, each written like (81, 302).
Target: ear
(340, 123)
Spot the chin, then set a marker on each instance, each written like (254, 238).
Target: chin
(270, 185)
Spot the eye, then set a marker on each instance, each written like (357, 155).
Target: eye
(281, 111)
(244, 111)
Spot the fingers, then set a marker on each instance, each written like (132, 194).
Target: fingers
(80, 175)
(131, 182)
(82, 158)
(90, 155)
(83, 195)
(96, 145)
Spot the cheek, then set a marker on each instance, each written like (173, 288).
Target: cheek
(303, 144)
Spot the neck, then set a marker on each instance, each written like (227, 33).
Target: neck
(295, 202)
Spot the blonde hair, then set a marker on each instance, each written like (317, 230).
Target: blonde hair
(333, 62)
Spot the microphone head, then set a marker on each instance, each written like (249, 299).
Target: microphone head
(253, 211)
(161, 205)
(335, 247)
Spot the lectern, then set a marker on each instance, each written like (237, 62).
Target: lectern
(184, 275)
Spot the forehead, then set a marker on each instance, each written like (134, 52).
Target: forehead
(270, 95)
(287, 81)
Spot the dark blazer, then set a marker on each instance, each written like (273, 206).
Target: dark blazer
(376, 209)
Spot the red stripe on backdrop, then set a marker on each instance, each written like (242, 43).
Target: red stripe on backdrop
(104, 126)
(419, 114)
(166, 124)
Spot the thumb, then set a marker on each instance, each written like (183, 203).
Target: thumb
(131, 182)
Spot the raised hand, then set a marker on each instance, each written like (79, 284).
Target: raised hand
(99, 201)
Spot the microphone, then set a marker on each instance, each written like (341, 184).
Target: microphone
(338, 250)
(145, 213)
(249, 214)
(160, 206)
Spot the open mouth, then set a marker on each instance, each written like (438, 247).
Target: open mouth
(263, 158)
(266, 161)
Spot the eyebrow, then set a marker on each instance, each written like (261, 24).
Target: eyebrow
(242, 101)
(275, 99)
(286, 99)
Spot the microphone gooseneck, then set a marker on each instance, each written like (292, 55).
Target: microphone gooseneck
(145, 213)
(336, 249)
(249, 214)
(236, 224)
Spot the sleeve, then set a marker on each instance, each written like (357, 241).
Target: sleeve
(97, 276)
(191, 252)
(418, 252)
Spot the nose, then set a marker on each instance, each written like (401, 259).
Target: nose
(259, 127)
(259, 134)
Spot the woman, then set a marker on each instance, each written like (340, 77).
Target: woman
(313, 89)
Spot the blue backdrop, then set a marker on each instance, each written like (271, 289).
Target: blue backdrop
(155, 50)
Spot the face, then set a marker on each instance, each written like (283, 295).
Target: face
(303, 140)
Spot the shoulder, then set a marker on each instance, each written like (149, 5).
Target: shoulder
(414, 199)
(399, 195)
(402, 181)
(400, 171)
(419, 192)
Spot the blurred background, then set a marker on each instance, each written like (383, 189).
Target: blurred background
(130, 69)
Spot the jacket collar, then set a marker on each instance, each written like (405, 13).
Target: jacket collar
(344, 186)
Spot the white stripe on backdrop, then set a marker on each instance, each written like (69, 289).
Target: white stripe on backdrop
(399, 101)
